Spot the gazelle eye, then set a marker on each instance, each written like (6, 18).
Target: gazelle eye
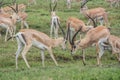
(74, 46)
(10, 17)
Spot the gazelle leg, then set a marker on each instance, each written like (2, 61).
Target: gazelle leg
(14, 31)
(51, 30)
(6, 34)
(52, 56)
(25, 23)
(83, 55)
(43, 57)
(25, 50)
(22, 24)
(101, 52)
(56, 32)
(118, 56)
(20, 45)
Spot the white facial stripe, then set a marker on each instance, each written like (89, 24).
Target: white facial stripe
(39, 44)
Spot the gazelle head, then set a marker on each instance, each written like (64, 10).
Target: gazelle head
(74, 45)
(15, 13)
(53, 9)
(63, 39)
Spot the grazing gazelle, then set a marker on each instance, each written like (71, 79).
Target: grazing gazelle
(28, 37)
(97, 35)
(75, 24)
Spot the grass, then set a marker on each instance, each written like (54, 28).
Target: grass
(68, 69)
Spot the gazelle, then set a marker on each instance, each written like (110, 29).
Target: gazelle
(113, 2)
(95, 13)
(8, 23)
(114, 43)
(54, 22)
(98, 35)
(22, 16)
(75, 24)
(28, 37)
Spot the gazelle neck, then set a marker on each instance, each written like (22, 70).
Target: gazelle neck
(57, 42)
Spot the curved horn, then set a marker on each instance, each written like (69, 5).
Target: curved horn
(54, 6)
(16, 8)
(68, 31)
(12, 9)
(94, 23)
(84, 3)
(61, 28)
(75, 35)
(50, 6)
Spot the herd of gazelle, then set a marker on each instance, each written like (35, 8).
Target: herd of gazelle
(26, 38)
(10, 15)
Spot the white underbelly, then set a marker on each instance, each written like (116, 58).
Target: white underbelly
(39, 45)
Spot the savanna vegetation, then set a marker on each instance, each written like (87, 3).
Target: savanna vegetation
(69, 68)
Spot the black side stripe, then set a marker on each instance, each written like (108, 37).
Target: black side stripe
(24, 38)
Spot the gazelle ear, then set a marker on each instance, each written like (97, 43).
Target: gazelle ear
(16, 7)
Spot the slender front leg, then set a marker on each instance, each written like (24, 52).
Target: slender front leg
(101, 51)
(43, 58)
(51, 30)
(52, 56)
(56, 32)
(83, 57)
(6, 34)
(25, 23)
(22, 24)
(20, 45)
(25, 50)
